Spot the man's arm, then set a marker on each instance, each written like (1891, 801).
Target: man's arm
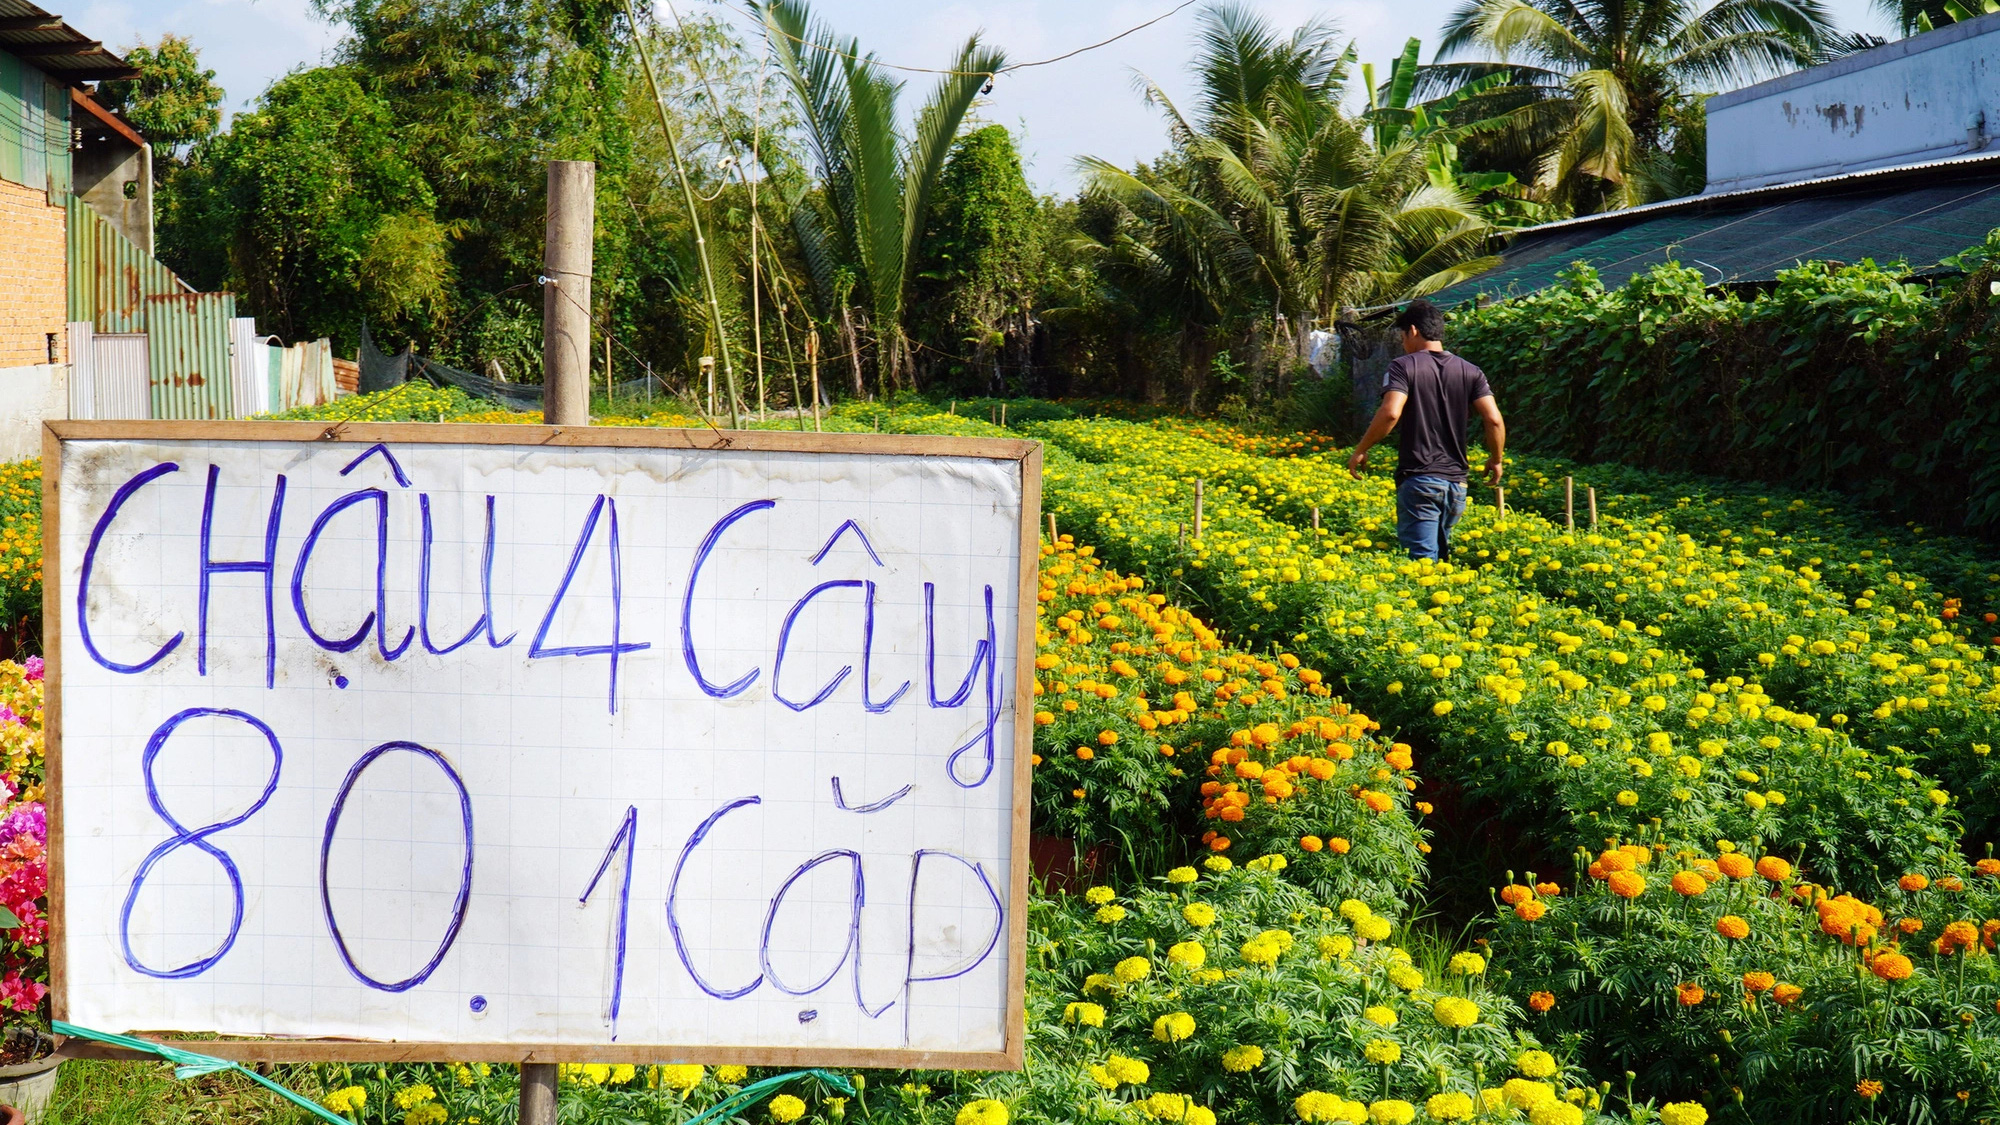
(1386, 417)
(1496, 437)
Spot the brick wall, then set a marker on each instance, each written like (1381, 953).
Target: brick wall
(33, 297)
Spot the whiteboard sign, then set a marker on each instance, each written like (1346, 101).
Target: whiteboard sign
(515, 742)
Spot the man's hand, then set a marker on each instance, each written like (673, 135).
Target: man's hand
(1494, 467)
(1357, 464)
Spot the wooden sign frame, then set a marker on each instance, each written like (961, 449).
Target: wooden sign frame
(1026, 454)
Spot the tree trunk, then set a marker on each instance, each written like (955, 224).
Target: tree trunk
(853, 340)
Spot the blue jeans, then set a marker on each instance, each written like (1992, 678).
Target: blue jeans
(1426, 510)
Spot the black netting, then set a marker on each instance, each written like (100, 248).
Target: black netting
(380, 372)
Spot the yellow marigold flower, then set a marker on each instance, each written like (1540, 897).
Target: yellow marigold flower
(1523, 1094)
(1110, 914)
(430, 1113)
(1354, 909)
(1198, 914)
(1405, 977)
(985, 1111)
(1099, 984)
(409, 1097)
(1392, 1112)
(1132, 970)
(1379, 1015)
(1242, 1058)
(622, 1073)
(1128, 1069)
(1188, 954)
(1455, 1012)
(1182, 875)
(1466, 964)
(1556, 1113)
(1173, 1027)
(1382, 1051)
(1449, 1106)
(1199, 1115)
(349, 1099)
(1272, 863)
(1374, 928)
(732, 1074)
(1081, 1013)
(680, 1076)
(785, 1109)
(1683, 1113)
(1536, 1064)
(1217, 863)
(1335, 946)
(1627, 798)
(1098, 896)
(1316, 1106)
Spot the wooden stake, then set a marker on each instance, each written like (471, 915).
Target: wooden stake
(1003, 415)
(1052, 527)
(1315, 519)
(1569, 503)
(607, 372)
(1500, 499)
(1180, 535)
(1592, 494)
(538, 1094)
(1197, 507)
(566, 257)
(812, 358)
(954, 408)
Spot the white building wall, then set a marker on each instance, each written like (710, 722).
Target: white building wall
(1928, 97)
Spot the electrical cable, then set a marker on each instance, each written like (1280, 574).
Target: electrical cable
(1065, 56)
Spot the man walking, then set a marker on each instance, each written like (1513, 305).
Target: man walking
(1437, 392)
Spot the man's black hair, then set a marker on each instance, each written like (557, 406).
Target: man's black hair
(1423, 316)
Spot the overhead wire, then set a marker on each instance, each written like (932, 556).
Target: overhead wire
(1064, 57)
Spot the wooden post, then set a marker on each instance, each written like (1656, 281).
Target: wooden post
(954, 408)
(708, 377)
(1052, 528)
(1180, 536)
(1315, 519)
(607, 372)
(566, 266)
(538, 1094)
(812, 358)
(1003, 415)
(1592, 494)
(1569, 503)
(1197, 507)
(1500, 500)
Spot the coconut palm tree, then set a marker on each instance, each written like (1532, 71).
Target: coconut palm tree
(1599, 84)
(862, 228)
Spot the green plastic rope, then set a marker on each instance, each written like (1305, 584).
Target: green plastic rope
(188, 1064)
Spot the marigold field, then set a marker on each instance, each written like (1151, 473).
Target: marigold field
(1683, 817)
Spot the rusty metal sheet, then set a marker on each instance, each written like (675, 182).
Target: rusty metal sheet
(110, 278)
(187, 340)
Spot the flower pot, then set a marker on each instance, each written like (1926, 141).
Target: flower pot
(25, 1089)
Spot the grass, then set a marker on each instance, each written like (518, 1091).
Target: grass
(90, 1092)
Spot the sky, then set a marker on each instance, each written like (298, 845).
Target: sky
(1084, 106)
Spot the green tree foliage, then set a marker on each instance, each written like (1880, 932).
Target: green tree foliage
(174, 103)
(973, 297)
(868, 219)
(1275, 202)
(323, 215)
(1598, 87)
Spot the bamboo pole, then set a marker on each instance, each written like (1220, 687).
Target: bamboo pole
(1315, 519)
(812, 360)
(1500, 500)
(1197, 507)
(1592, 494)
(1569, 503)
(1052, 527)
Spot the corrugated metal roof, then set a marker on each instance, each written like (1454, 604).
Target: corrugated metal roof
(1919, 214)
(42, 39)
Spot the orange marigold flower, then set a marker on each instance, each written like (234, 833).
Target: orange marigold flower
(1910, 925)
(1541, 1001)
(1688, 883)
(1891, 966)
(1914, 881)
(1377, 802)
(1108, 737)
(1736, 865)
(1550, 890)
(1321, 769)
(1732, 927)
(1338, 845)
(1958, 936)
(1987, 867)
(1868, 1088)
(1951, 883)
(1627, 884)
(1219, 844)
(1755, 982)
(1530, 911)
(1425, 808)
(1616, 860)
(1787, 993)
(1085, 753)
(1310, 843)
(1513, 894)
(1775, 869)
(1690, 994)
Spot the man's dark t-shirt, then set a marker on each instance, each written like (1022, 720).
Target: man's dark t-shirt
(1442, 388)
